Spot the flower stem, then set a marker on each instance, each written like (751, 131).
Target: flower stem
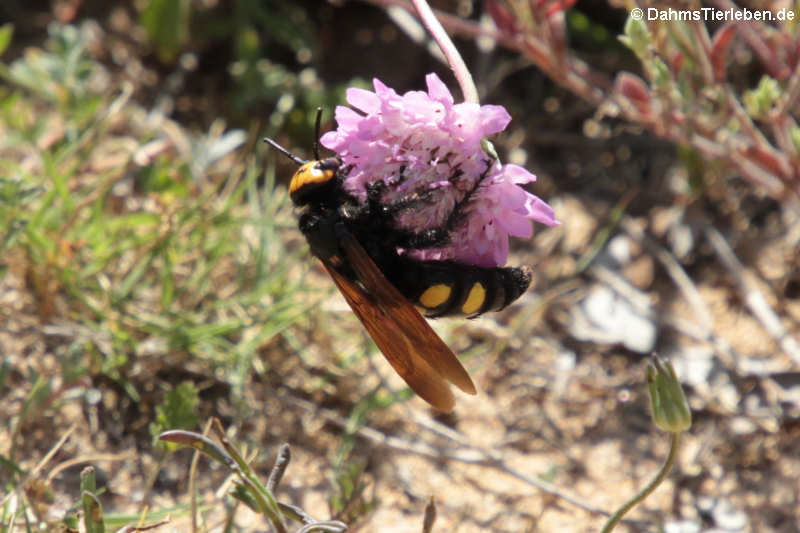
(449, 50)
(645, 492)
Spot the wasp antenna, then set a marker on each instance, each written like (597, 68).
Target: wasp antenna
(284, 151)
(316, 133)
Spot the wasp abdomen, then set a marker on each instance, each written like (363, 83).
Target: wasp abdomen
(442, 288)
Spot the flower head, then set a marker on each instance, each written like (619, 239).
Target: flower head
(423, 146)
(670, 410)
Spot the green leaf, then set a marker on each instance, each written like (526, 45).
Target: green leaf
(200, 443)
(6, 32)
(177, 411)
(636, 36)
(167, 26)
(795, 135)
(10, 466)
(760, 100)
(92, 510)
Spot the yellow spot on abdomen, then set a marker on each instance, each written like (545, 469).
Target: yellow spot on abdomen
(475, 299)
(435, 295)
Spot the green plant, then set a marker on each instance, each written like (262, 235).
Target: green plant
(248, 488)
(130, 243)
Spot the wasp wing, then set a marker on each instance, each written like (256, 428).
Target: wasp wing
(407, 318)
(398, 349)
(407, 341)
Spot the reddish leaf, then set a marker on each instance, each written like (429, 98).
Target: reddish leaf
(720, 45)
(635, 90)
(503, 18)
(767, 160)
(548, 7)
(676, 63)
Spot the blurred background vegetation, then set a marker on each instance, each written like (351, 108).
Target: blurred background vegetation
(151, 276)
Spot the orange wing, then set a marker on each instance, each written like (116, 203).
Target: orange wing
(407, 341)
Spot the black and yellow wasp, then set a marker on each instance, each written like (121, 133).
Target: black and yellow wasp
(357, 243)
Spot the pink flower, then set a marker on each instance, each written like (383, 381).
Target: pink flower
(422, 145)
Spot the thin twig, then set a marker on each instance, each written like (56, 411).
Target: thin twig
(753, 297)
(454, 59)
(281, 462)
(675, 271)
(56, 447)
(60, 467)
(193, 482)
(430, 516)
(644, 493)
(473, 455)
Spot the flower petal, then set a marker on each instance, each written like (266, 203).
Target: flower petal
(437, 90)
